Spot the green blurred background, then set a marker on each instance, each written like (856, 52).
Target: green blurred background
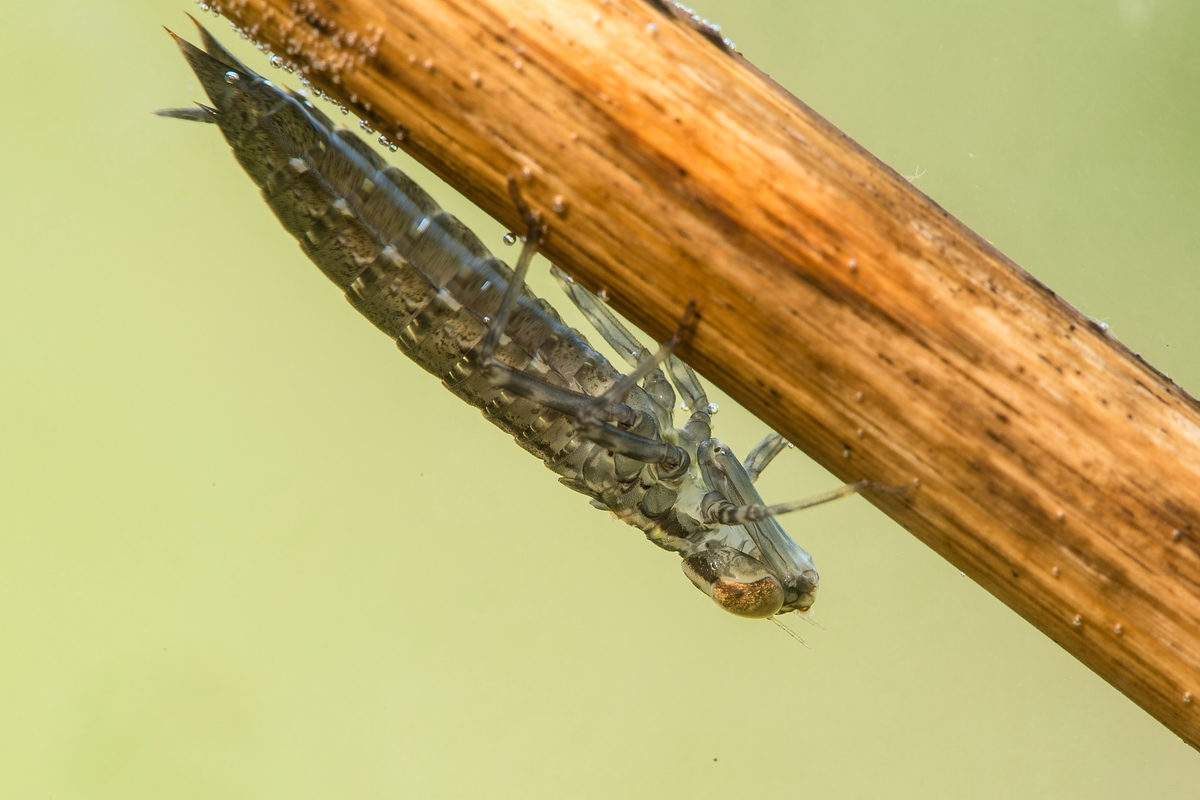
(248, 550)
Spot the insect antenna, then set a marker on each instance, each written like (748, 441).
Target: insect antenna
(789, 631)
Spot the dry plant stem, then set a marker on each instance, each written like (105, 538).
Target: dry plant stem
(837, 302)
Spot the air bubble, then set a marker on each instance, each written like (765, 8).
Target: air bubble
(1077, 620)
(366, 126)
(232, 77)
(652, 29)
(603, 295)
(558, 205)
(475, 79)
(510, 239)
(712, 409)
(276, 62)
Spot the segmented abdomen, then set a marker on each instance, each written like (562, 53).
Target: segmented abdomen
(420, 275)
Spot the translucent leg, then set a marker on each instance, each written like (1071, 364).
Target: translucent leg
(620, 339)
(728, 513)
(585, 409)
(619, 389)
(763, 454)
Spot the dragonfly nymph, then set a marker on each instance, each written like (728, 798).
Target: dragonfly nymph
(424, 279)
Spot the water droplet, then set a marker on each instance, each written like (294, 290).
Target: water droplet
(558, 205)
(526, 173)
(203, 6)
(853, 264)
(1077, 620)
(1118, 629)
(276, 62)
(486, 320)
(1060, 516)
(858, 397)
(343, 109)
(510, 238)
(845, 452)
(712, 409)
(652, 29)
(366, 126)
(791, 446)
(603, 295)
(393, 147)
(232, 77)
(1176, 535)
(1187, 697)
(518, 65)
(1054, 572)
(859, 433)
(427, 64)
(475, 79)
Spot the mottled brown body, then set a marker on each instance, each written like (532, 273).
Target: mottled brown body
(420, 276)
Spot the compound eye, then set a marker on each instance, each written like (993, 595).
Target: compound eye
(761, 599)
(736, 582)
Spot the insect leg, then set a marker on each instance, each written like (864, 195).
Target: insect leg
(619, 338)
(727, 513)
(619, 389)
(583, 408)
(763, 454)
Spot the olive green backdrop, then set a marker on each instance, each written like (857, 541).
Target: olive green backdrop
(248, 551)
